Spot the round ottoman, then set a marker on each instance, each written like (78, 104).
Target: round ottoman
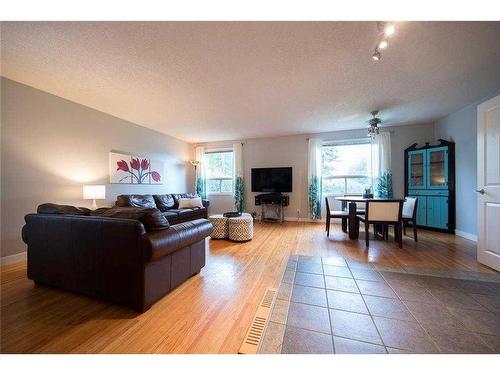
(220, 229)
(241, 228)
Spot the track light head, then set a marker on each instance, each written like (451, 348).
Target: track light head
(376, 55)
(389, 29)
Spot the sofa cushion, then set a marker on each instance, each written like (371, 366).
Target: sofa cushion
(152, 218)
(182, 211)
(169, 215)
(136, 200)
(177, 197)
(164, 202)
(60, 209)
(190, 203)
(178, 236)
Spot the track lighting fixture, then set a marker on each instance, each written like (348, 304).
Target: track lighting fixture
(383, 44)
(389, 29)
(386, 30)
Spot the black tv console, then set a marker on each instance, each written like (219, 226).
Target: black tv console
(277, 201)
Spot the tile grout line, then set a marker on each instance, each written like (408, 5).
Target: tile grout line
(418, 322)
(398, 298)
(369, 312)
(446, 308)
(289, 302)
(344, 337)
(327, 308)
(276, 299)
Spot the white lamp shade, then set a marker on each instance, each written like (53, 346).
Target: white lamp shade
(94, 192)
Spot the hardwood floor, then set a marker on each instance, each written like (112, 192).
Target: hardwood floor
(209, 313)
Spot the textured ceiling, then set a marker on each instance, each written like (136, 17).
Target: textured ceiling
(206, 81)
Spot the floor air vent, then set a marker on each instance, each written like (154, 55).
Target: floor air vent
(256, 330)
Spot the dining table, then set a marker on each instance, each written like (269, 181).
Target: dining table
(351, 202)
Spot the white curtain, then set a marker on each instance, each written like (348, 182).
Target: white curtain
(201, 185)
(381, 164)
(239, 187)
(314, 177)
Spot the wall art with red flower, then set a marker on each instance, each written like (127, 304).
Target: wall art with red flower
(130, 169)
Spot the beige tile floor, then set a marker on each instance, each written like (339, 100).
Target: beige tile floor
(332, 305)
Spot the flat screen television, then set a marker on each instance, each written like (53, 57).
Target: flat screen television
(272, 180)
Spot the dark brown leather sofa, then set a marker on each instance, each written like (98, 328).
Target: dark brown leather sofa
(112, 259)
(168, 204)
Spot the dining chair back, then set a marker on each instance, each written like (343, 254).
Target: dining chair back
(383, 213)
(410, 215)
(409, 207)
(335, 215)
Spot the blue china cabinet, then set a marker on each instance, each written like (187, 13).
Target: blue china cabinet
(430, 176)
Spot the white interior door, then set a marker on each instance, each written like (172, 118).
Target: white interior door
(488, 180)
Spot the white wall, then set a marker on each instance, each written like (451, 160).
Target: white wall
(292, 151)
(50, 147)
(461, 127)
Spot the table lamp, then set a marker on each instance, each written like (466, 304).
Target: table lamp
(94, 192)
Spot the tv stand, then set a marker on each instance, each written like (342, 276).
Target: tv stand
(274, 200)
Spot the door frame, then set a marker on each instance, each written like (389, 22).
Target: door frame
(484, 256)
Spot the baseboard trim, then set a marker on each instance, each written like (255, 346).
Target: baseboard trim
(466, 235)
(308, 220)
(9, 259)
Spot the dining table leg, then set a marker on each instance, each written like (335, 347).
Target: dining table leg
(353, 235)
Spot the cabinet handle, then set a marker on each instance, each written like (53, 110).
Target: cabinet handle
(481, 191)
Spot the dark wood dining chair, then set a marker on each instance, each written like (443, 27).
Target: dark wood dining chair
(410, 215)
(335, 215)
(382, 213)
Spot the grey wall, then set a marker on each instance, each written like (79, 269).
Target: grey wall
(292, 151)
(50, 147)
(461, 128)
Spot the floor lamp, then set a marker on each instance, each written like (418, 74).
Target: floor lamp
(195, 163)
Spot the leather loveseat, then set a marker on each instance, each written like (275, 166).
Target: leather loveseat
(168, 204)
(111, 258)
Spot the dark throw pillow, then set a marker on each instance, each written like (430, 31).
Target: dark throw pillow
(164, 202)
(61, 209)
(136, 200)
(151, 218)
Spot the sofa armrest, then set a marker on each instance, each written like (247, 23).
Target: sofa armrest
(205, 203)
(159, 244)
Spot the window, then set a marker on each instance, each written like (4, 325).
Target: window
(346, 167)
(219, 172)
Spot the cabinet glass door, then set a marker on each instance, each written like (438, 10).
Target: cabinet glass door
(438, 168)
(416, 169)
